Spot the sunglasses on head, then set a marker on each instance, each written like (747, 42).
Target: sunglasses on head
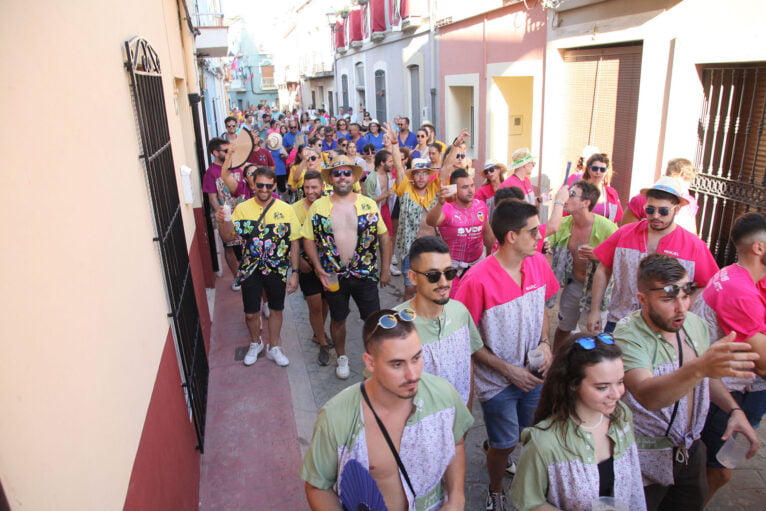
(389, 321)
(663, 211)
(588, 343)
(338, 173)
(596, 168)
(434, 276)
(673, 289)
(268, 186)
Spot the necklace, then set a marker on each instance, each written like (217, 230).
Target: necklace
(590, 428)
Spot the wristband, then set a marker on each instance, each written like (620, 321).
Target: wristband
(735, 409)
(544, 341)
(558, 202)
(296, 270)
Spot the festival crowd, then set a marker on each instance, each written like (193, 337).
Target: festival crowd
(657, 359)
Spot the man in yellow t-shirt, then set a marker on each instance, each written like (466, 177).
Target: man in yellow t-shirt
(271, 234)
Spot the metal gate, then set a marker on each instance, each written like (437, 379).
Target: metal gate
(731, 153)
(143, 65)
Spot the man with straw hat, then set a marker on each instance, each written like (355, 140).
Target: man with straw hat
(621, 253)
(521, 168)
(417, 190)
(342, 233)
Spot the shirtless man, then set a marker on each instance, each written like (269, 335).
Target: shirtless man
(573, 261)
(423, 414)
(342, 232)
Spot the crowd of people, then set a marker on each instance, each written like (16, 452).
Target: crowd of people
(657, 359)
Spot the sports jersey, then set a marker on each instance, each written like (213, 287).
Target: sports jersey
(261, 157)
(318, 227)
(643, 348)
(463, 230)
(509, 316)
(525, 185)
(733, 302)
(438, 422)
(624, 250)
(448, 343)
(266, 250)
(557, 466)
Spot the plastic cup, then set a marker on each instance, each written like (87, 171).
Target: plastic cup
(332, 282)
(733, 451)
(609, 504)
(226, 212)
(535, 358)
(579, 251)
(452, 189)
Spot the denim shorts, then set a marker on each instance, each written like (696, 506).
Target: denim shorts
(507, 413)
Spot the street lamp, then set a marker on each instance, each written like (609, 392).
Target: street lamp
(332, 16)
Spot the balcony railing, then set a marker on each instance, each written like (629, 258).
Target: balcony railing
(205, 20)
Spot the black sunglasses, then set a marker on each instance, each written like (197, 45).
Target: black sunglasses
(460, 156)
(596, 168)
(338, 173)
(313, 158)
(672, 290)
(490, 170)
(588, 343)
(663, 211)
(370, 151)
(268, 186)
(231, 125)
(435, 276)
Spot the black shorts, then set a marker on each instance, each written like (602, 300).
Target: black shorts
(310, 284)
(395, 210)
(363, 291)
(256, 284)
(282, 183)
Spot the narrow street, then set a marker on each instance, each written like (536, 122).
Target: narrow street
(260, 418)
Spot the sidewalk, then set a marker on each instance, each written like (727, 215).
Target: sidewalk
(260, 418)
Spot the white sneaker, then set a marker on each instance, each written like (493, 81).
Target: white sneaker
(252, 353)
(394, 259)
(342, 371)
(265, 309)
(394, 270)
(277, 356)
(235, 286)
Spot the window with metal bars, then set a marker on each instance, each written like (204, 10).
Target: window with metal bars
(143, 66)
(731, 152)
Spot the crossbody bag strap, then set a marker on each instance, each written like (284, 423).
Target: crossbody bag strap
(388, 440)
(680, 363)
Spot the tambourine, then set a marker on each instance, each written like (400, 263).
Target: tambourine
(241, 148)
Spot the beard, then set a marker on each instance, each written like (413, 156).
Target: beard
(664, 324)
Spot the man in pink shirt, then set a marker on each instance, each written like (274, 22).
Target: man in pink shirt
(621, 253)
(505, 294)
(463, 224)
(735, 301)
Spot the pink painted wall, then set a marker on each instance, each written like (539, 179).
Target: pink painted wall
(509, 34)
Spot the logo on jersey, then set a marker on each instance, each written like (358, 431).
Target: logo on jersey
(480, 215)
